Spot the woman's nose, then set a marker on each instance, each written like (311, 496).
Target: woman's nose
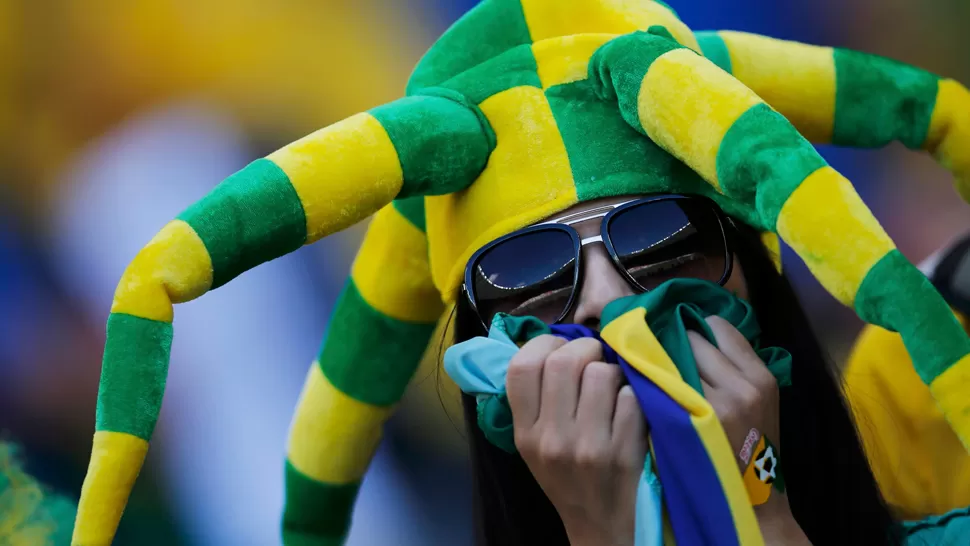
(602, 284)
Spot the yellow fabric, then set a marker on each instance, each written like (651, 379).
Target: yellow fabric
(687, 104)
(816, 221)
(547, 19)
(951, 389)
(917, 459)
(116, 460)
(629, 336)
(173, 267)
(566, 59)
(528, 173)
(391, 270)
(797, 80)
(342, 173)
(758, 491)
(949, 135)
(773, 246)
(325, 415)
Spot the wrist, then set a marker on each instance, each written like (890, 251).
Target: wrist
(592, 534)
(778, 525)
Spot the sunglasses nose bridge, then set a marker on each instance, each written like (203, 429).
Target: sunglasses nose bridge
(590, 240)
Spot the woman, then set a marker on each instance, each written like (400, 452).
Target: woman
(556, 492)
(522, 110)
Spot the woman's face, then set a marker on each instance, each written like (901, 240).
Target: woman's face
(602, 283)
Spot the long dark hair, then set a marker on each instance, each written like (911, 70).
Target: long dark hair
(831, 490)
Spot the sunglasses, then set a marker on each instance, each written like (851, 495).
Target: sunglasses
(538, 270)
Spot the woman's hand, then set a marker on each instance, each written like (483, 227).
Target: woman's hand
(744, 395)
(581, 434)
(738, 385)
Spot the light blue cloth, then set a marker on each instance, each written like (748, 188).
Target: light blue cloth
(479, 366)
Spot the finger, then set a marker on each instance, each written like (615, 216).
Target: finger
(707, 388)
(737, 349)
(597, 398)
(712, 365)
(523, 381)
(629, 428)
(561, 378)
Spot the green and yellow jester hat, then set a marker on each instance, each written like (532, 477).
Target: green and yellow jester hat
(522, 109)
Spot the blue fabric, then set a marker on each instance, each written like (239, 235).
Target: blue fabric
(699, 512)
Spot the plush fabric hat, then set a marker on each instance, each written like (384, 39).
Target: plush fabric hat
(522, 109)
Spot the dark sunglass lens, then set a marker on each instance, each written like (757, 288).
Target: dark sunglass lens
(531, 274)
(662, 240)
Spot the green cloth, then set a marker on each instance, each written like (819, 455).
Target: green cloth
(679, 305)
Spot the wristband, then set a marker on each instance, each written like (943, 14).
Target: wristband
(763, 471)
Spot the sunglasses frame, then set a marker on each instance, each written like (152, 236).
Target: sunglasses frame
(564, 224)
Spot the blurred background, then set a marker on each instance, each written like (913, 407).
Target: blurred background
(114, 116)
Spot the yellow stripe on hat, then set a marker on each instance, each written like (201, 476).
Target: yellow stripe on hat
(341, 173)
(391, 270)
(172, 268)
(116, 460)
(547, 19)
(687, 104)
(528, 171)
(333, 437)
(773, 246)
(817, 220)
(950, 390)
(949, 134)
(566, 59)
(797, 80)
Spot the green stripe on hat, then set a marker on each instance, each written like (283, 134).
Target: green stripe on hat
(252, 217)
(133, 373)
(762, 159)
(622, 163)
(714, 48)
(617, 68)
(920, 316)
(412, 209)
(486, 31)
(372, 364)
(514, 68)
(316, 513)
(880, 100)
(443, 142)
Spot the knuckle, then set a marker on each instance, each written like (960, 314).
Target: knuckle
(626, 401)
(765, 382)
(749, 399)
(600, 372)
(575, 353)
(715, 321)
(552, 449)
(592, 454)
